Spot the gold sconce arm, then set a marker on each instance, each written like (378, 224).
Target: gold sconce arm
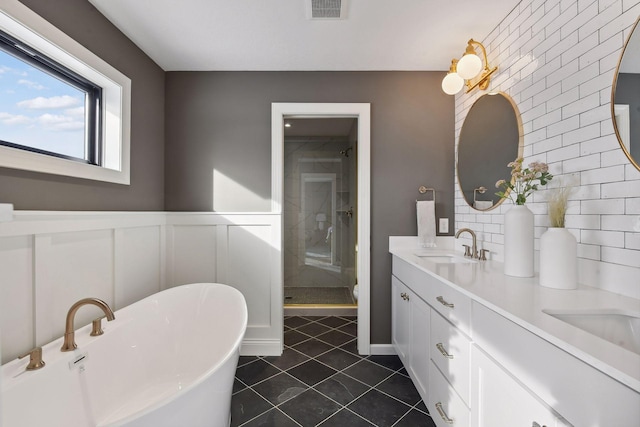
(454, 82)
(485, 77)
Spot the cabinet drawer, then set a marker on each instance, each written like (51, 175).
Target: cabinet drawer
(453, 305)
(445, 406)
(450, 351)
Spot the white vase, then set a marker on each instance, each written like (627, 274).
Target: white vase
(558, 259)
(518, 242)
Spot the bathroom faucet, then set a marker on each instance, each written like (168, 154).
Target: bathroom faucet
(69, 331)
(474, 247)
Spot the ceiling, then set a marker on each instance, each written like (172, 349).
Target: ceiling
(275, 35)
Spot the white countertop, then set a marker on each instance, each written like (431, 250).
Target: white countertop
(522, 300)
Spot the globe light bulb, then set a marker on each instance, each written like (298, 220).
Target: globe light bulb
(469, 66)
(452, 83)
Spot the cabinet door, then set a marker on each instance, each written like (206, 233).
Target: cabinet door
(498, 399)
(400, 319)
(420, 332)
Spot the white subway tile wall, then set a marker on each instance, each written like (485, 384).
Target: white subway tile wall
(557, 60)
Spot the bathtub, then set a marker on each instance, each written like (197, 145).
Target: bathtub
(167, 360)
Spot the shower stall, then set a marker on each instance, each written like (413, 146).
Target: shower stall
(320, 170)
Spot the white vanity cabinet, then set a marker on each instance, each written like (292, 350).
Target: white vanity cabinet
(476, 366)
(434, 351)
(580, 393)
(502, 400)
(410, 333)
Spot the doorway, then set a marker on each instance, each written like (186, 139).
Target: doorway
(360, 214)
(320, 216)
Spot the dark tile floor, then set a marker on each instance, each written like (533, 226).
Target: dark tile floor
(320, 380)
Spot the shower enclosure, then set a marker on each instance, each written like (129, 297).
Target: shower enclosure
(319, 212)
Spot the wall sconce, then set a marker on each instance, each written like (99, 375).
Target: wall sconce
(466, 69)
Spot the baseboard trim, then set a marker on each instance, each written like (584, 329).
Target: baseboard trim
(259, 347)
(382, 349)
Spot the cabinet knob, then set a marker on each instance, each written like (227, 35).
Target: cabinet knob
(535, 424)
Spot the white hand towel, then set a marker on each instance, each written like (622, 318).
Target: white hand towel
(426, 213)
(483, 204)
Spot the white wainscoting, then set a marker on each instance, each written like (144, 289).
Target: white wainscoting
(49, 260)
(240, 250)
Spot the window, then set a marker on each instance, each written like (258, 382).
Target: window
(63, 110)
(45, 107)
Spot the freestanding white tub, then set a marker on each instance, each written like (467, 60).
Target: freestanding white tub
(167, 360)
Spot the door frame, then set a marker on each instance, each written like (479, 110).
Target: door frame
(280, 111)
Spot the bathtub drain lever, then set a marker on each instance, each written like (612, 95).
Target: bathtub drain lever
(77, 361)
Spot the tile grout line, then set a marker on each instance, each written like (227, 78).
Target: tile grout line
(332, 347)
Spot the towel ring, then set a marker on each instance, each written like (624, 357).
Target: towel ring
(480, 190)
(423, 190)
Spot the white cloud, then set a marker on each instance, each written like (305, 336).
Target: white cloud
(54, 102)
(30, 84)
(57, 122)
(77, 111)
(14, 119)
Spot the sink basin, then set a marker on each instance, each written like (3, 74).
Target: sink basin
(444, 258)
(616, 326)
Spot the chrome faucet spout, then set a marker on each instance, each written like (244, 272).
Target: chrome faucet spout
(474, 246)
(69, 331)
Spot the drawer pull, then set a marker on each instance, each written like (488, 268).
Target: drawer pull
(440, 347)
(443, 302)
(535, 424)
(443, 414)
(405, 296)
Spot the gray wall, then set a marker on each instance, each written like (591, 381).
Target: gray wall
(222, 121)
(35, 191)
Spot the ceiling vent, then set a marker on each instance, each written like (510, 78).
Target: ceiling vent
(326, 9)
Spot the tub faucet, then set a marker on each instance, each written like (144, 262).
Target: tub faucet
(69, 331)
(474, 247)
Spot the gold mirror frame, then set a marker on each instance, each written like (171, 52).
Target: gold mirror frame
(633, 161)
(520, 151)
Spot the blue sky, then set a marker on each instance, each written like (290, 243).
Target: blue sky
(38, 110)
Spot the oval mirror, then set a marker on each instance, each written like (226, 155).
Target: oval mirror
(491, 137)
(625, 98)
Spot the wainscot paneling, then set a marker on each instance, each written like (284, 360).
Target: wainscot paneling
(240, 250)
(49, 260)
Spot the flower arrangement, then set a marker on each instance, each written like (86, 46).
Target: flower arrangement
(523, 181)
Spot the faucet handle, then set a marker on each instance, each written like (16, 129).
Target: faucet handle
(483, 254)
(467, 250)
(96, 327)
(35, 359)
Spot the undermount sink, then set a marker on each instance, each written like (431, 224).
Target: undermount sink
(443, 258)
(616, 326)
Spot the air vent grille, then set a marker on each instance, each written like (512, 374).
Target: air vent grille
(327, 9)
